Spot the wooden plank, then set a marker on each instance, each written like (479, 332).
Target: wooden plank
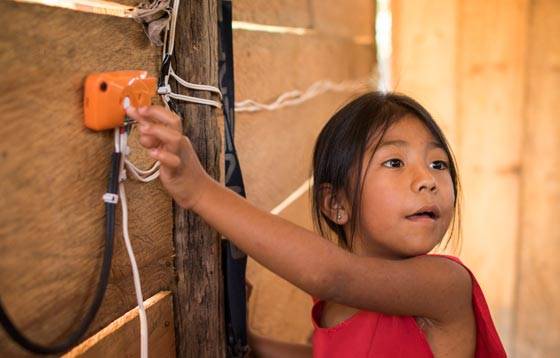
(492, 48)
(54, 172)
(538, 307)
(351, 18)
(122, 336)
(278, 309)
(292, 13)
(269, 143)
(268, 65)
(199, 312)
(424, 35)
(299, 211)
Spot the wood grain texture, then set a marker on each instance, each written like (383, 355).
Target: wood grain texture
(350, 19)
(54, 172)
(492, 49)
(198, 304)
(122, 336)
(268, 65)
(275, 148)
(424, 57)
(538, 305)
(292, 13)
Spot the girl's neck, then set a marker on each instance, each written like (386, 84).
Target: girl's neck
(358, 248)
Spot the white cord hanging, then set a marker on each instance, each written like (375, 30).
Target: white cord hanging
(121, 146)
(296, 97)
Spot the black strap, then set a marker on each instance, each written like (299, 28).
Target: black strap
(234, 260)
(76, 336)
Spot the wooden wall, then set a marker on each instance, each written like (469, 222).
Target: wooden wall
(537, 309)
(54, 172)
(275, 147)
(488, 70)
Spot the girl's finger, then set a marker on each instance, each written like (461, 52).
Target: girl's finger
(166, 158)
(170, 138)
(148, 141)
(162, 115)
(132, 112)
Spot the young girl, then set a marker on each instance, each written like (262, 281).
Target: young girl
(386, 184)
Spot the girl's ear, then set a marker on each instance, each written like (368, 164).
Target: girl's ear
(333, 206)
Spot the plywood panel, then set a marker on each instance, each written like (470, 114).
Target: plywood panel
(424, 57)
(538, 306)
(122, 336)
(268, 64)
(351, 18)
(54, 172)
(278, 309)
(293, 13)
(492, 44)
(275, 148)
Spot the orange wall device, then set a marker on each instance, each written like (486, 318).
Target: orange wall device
(107, 94)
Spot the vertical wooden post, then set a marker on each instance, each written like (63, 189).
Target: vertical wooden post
(198, 301)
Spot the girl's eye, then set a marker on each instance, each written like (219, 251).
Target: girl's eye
(393, 163)
(439, 165)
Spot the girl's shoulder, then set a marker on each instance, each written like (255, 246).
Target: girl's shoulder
(488, 343)
(455, 259)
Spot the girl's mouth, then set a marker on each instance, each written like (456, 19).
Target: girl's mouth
(422, 217)
(425, 213)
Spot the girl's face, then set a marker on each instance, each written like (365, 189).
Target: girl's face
(407, 175)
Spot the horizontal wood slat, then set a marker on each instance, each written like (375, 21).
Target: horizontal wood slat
(122, 336)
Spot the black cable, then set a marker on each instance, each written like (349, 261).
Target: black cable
(234, 261)
(75, 337)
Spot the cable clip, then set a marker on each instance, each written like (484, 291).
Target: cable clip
(164, 89)
(110, 198)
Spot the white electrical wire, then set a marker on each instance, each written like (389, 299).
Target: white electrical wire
(165, 90)
(144, 176)
(133, 167)
(121, 146)
(193, 85)
(295, 97)
(170, 33)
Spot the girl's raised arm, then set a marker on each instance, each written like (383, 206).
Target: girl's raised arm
(426, 286)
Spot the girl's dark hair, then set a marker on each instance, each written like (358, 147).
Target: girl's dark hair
(342, 144)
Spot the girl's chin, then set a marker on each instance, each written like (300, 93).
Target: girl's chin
(420, 246)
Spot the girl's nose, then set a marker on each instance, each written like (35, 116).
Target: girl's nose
(424, 180)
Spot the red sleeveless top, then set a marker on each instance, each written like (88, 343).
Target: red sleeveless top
(371, 334)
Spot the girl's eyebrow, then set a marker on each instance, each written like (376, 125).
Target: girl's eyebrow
(403, 143)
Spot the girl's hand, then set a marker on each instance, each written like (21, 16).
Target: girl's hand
(181, 173)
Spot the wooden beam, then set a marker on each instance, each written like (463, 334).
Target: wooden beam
(198, 300)
(122, 336)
